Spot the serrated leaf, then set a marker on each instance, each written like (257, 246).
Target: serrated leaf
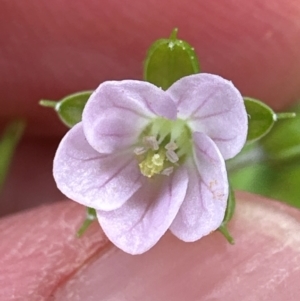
(261, 119)
(168, 60)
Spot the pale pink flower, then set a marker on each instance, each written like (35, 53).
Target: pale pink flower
(150, 160)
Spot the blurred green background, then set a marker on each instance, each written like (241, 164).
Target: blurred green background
(277, 172)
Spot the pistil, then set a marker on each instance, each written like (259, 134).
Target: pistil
(159, 152)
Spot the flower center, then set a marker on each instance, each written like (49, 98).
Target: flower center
(164, 145)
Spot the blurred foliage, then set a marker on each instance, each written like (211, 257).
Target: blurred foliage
(8, 142)
(275, 168)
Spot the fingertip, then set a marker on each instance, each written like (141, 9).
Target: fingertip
(257, 267)
(39, 250)
(72, 47)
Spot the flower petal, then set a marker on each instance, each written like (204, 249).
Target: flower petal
(205, 202)
(142, 220)
(212, 105)
(118, 111)
(100, 181)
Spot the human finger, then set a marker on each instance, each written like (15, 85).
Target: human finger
(54, 48)
(44, 259)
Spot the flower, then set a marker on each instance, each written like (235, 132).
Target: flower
(150, 160)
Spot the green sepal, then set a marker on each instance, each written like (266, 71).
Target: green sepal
(168, 60)
(228, 215)
(230, 206)
(224, 230)
(261, 118)
(70, 108)
(9, 140)
(91, 216)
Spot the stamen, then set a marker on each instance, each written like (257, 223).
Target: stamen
(172, 156)
(167, 171)
(151, 142)
(162, 144)
(139, 150)
(171, 146)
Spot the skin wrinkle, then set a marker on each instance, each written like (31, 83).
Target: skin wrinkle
(18, 249)
(64, 280)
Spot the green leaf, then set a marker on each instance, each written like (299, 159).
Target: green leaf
(70, 108)
(272, 164)
(8, 143)
(261, 119)
(91, 216)
(276, 182)
(168, 60)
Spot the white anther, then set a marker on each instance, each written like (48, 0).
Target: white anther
(172, 156)
(171, 146)
(167, 171)
(150, 141)
(139, 150)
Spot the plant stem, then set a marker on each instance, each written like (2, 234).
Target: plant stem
(173, 35)
(48, 103)
(285, 115)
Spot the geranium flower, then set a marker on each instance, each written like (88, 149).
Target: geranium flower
(150, 160)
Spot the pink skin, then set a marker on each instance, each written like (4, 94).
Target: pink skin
(54, 48)
(50, 263)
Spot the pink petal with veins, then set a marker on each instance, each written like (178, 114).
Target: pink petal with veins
(212, 105)
(203, 208)
(95, 180)
(128, 107)
(142, 220)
